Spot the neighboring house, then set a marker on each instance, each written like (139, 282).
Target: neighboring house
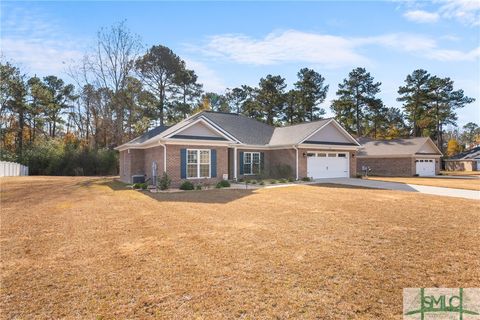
(466, 161)
(211, 146)
(399, 157)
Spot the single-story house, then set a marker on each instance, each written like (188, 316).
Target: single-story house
(466, 161)
(210, 146)
(399, 157)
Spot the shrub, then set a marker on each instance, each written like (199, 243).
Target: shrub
(187, 185)
(358, 175)
(281, 170)
(282, 180)
(291, 179)
(306, 179)
(241, 180)
(142, 186)
(164, 182)
(262, 183)
(222, 184)
(198, 187)
(253, 181)
(273, 181)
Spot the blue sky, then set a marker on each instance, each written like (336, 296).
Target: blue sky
(233, 43)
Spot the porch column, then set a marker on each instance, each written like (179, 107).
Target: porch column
(235, 163)
(296, 162)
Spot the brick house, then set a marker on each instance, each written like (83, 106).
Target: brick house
(399, 157)
(210, 146)
(468, 160)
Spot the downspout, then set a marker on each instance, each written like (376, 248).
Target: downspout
(296, 162)
(164, 157)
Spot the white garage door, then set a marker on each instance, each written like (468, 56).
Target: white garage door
(327, 165)
(425, 167)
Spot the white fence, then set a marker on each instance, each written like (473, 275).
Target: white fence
(12, 169)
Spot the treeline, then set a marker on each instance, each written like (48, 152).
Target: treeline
(119, 90)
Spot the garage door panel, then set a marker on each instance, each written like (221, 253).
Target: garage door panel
(425, 167)
(330, 166)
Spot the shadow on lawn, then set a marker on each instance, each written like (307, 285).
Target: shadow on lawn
(220, 196)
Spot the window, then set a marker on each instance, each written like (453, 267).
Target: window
(198, 163)
(342, 155)
(332, 155)
(310, 154)
(321, 155)
(251, 163)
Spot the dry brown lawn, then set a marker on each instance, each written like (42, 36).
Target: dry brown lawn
(85, 248)
(461, 173)
(457, 183)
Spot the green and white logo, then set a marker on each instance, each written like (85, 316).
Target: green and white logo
(441, 303)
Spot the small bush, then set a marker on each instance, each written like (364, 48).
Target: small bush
(187, 185)
(291, 179)
(222, 184)
(306, 179)
(262, 183)
(358, 175)
(282, 180)
(164, 182)
(241, 180)
(415, 175)
(198, 187)
(253, 181)
(247, 181)
(273, 181)
(142, 186)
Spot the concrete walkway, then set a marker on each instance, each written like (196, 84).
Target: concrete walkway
(438, 191)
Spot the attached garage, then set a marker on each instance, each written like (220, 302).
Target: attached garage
(425, 167)
(327, 165)
(399, 157)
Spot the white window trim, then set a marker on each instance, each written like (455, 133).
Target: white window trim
(199, 163)
(251, 163)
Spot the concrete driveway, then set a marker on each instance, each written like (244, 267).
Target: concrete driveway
(438, 191)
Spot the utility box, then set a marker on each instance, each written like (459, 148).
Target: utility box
(138, 178)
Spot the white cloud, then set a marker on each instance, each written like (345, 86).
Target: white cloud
(466, 11)
(326, 50)
(36, 42)
(287, 46)
(454, 55)
(208, 77)
(421, 16)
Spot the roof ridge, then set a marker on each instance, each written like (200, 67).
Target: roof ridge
(305, 122)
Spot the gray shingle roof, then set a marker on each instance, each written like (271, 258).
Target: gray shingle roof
(245, 129)
(149, 134)
(295, 133)
(391, 147)
(473, 153)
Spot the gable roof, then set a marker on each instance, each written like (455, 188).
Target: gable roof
(149, 134)
(244, 129)
(399, 147)
(471, 154)
(237, 128)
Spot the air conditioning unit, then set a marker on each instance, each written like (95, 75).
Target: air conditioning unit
(139, 178)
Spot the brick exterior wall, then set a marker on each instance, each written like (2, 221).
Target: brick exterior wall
(131, 163)
(393, 167)
(461, 165)
(174, 163)
(282, 157)
(153, 154)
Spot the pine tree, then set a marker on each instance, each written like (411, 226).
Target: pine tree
(311, 92)
(355, 94)
(415, 97)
